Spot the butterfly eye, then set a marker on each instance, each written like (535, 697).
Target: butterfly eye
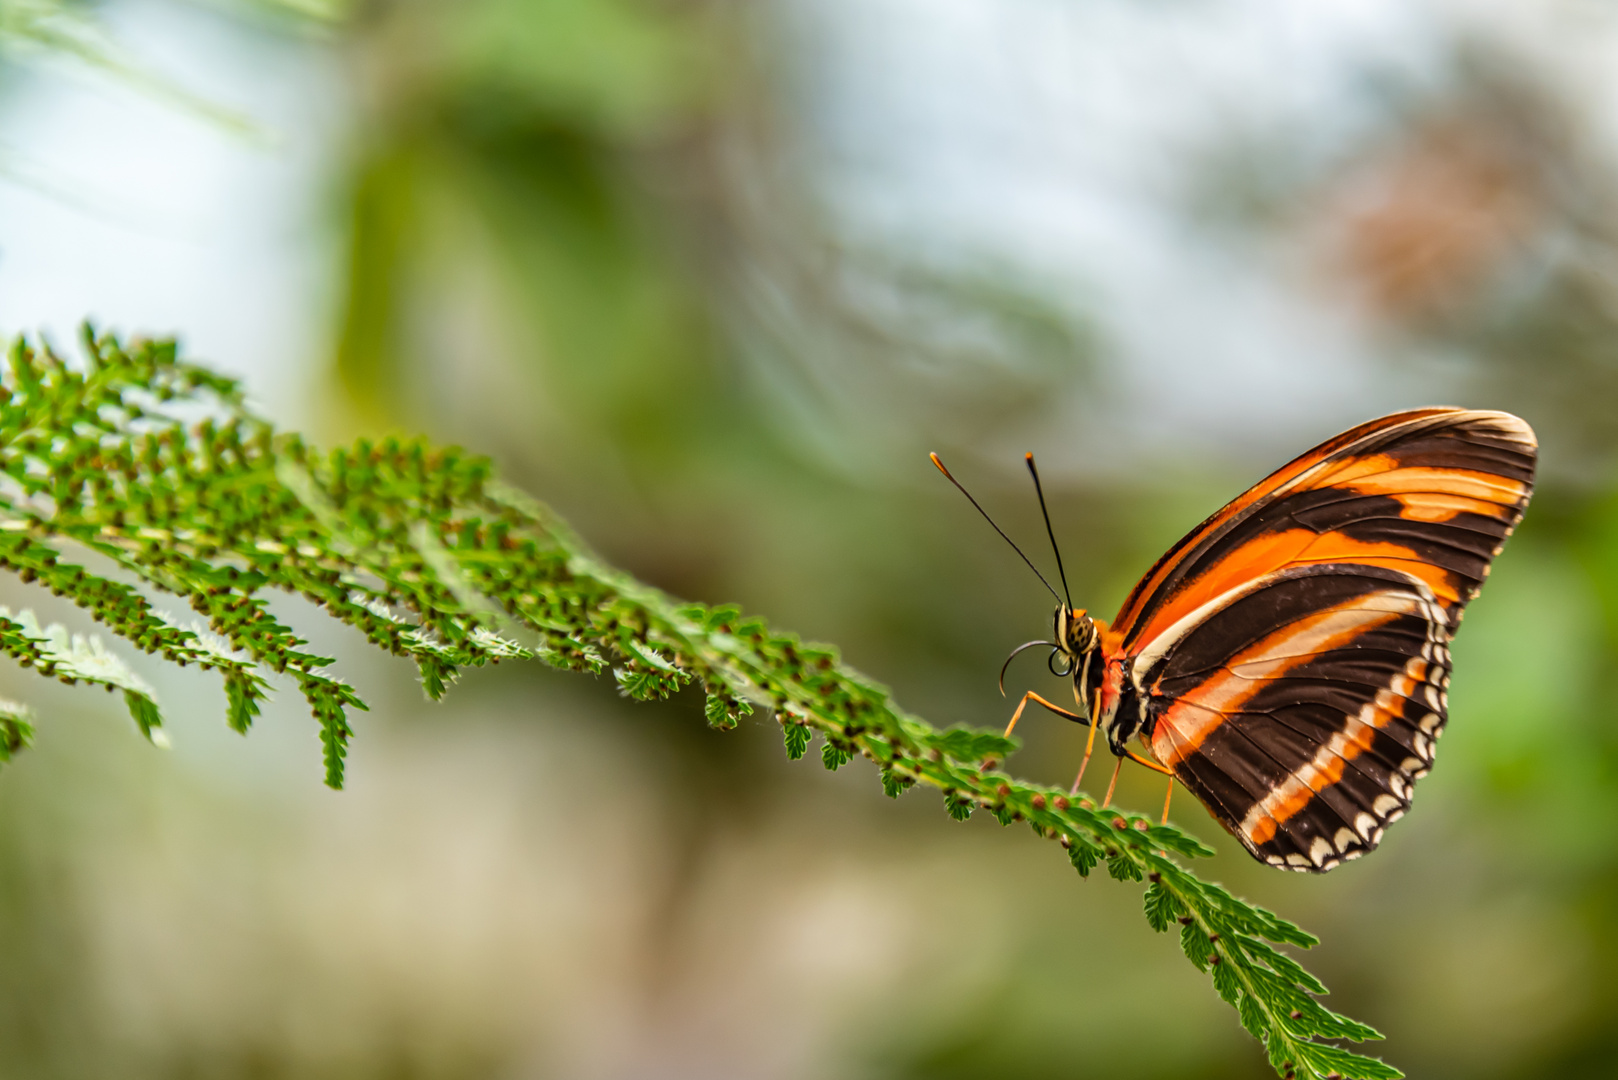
(1081, 635)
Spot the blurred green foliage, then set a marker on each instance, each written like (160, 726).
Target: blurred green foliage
(521, 139)
(426, 554)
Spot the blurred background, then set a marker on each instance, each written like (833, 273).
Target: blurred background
(712, 277)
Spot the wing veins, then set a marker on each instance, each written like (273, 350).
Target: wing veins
(1392, 766)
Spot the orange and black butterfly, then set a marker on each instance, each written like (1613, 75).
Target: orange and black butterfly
(1288, 660)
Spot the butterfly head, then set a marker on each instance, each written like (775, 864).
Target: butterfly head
(1075, 636)
(1075, 631)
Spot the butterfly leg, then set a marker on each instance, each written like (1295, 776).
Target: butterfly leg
(1150, 764)
(1057, 709)
(1113, 783)
(1156, 768)
(1089, 746)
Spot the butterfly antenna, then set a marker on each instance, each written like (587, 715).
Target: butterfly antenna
(1040, 491)
(996, 528)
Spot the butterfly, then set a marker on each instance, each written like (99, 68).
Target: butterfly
(1288, 661)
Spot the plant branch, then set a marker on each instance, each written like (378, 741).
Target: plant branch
(432, 558)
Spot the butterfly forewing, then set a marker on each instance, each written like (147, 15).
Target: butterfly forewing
(1292, 651)
(1433, 492)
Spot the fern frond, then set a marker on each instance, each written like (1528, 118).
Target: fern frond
(156, 466)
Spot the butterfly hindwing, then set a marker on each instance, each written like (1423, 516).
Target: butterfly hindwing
(1292, 652)
(1303, 713)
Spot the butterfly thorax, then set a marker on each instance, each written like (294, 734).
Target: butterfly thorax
(1119, 703)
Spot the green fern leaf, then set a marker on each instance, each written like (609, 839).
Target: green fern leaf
(157, 466)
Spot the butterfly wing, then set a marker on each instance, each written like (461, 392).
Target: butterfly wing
(1433, 492)
(1292, 652)
(1303, 712)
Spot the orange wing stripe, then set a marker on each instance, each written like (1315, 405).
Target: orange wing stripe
(1326, 768)
(1501, 491)
(1194, 716)
(1445, 506)
(1283, 477)
(1297, 547)
(1424, 493)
